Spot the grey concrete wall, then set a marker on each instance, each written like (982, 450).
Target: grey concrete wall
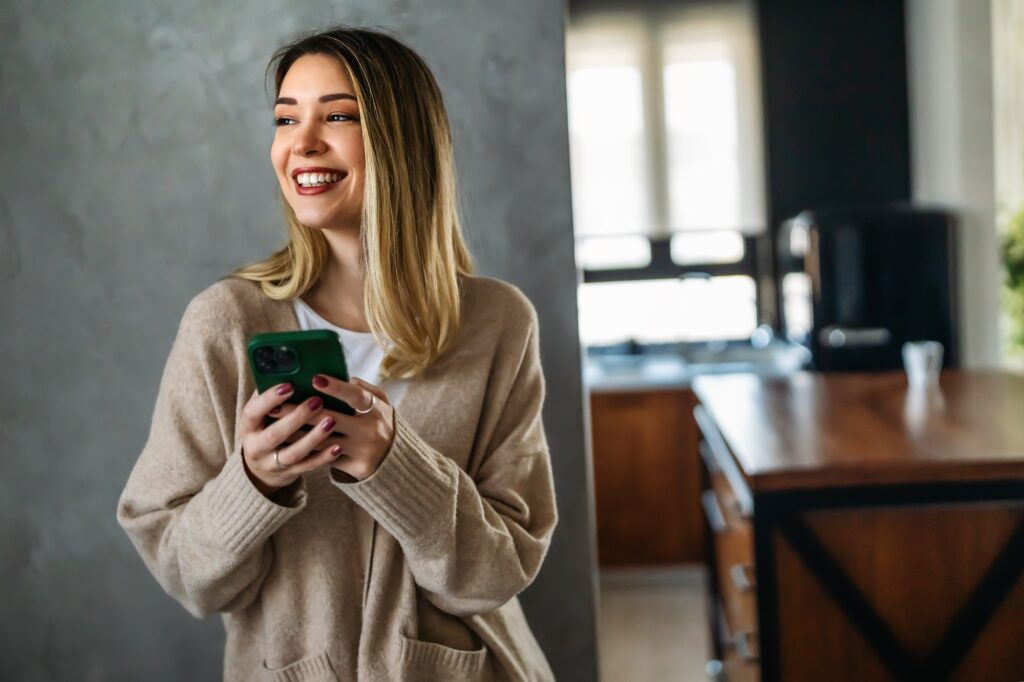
(135, 172)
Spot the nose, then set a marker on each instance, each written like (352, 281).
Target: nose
(308, 142)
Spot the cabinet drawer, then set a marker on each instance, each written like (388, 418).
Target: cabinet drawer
(733, 547)
(736, 669)
(737, 579)
(740, 653)
(726, 479)
(730, 505)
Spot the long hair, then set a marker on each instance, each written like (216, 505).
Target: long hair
(413, 250)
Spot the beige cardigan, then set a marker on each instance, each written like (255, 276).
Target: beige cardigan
(410, 574)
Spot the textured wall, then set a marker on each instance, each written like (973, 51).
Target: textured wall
(135, 172)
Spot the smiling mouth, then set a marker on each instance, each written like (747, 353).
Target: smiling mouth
(313, 180)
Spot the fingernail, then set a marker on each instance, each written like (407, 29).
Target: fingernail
(319, 381)
(284, 389)
(276, 410)
(336, 450)
(315, 403)
(327, 424)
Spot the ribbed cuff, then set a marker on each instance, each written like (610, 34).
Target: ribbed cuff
(409, 490)
(240, 516)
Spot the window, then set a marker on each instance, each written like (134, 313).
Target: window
(666, 154)
(668, 310)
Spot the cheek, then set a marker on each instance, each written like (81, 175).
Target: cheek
(278, 156)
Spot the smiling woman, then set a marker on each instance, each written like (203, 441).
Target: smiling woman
(432, 507)
(325, 125)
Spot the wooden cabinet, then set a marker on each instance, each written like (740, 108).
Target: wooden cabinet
(855, 534)
(646, 476)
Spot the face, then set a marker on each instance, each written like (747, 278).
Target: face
(317, 132)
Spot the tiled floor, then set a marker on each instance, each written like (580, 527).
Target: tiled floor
(652, 626)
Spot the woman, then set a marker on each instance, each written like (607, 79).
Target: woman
(389, 544)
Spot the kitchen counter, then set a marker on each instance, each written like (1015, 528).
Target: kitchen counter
(811, 429)
(668, 370)
(860, 529)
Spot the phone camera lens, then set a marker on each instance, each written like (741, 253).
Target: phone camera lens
(286, 359)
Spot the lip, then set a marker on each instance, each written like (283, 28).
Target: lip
(306, 191)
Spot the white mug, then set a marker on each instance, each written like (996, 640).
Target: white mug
(922, 361)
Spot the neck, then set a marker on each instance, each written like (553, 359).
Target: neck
(338, 296)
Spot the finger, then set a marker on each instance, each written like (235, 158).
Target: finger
(300, 450)
(330, 441)
(351, 393)
(319, 459)
(261, 403)
(288, 408)
(354, 424)
(272, 436)
(376, 390)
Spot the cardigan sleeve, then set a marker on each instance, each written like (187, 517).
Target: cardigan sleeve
(472, 543)
(200, 525)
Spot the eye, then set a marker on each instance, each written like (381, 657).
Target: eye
(345, 117)
(281, 121)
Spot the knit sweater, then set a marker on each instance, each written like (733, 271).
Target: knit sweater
(411, 573)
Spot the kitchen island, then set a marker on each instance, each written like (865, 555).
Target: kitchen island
(863, 530)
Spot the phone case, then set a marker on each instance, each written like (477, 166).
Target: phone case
(295, 357)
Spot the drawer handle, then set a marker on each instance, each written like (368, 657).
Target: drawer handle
(742, 643)
(742, 577)
(739, 641)
(713, 512)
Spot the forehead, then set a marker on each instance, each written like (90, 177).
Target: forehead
(315, 74)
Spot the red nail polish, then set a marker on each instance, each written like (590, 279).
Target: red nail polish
(319, 381)
(328, 424)
(314, 403)
(284, 389)
(336, 450)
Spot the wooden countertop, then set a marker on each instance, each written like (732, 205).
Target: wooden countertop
(811, 430)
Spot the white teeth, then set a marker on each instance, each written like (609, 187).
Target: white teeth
(316, 179)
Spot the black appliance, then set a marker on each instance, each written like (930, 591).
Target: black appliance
(858, 282)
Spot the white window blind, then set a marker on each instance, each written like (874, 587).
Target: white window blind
(665, 142)
(712, 119)
(608, 146)
(665, 121)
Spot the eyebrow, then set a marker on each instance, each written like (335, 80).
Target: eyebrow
(323, 98)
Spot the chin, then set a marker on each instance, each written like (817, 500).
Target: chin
(327, 224)
(313, 223)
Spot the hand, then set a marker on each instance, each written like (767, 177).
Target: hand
(364, 438)
(259, 443)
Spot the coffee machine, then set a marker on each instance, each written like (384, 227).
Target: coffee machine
(858, 282)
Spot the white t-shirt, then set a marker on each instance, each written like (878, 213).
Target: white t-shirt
(362, 353)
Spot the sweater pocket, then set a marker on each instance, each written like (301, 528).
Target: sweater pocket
(455, 664)
(316, 668)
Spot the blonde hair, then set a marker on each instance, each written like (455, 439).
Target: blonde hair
(412, 245)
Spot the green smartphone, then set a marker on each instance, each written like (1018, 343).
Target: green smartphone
(295, 357)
